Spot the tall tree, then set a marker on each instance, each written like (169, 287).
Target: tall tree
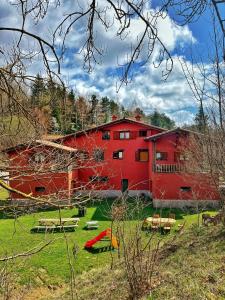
(161, 120)
(37, 91)
(201, 119)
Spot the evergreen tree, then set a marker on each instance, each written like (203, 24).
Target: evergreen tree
(201, 119)
(37, 91)
(161, 120)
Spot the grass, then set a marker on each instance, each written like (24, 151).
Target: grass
(51, 264)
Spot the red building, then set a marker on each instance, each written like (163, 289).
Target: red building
(120, 156)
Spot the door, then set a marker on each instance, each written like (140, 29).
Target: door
(124, 185)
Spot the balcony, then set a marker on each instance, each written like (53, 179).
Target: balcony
(168, 168)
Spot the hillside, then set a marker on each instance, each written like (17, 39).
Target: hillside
(191, 266)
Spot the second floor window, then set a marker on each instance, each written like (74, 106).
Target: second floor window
(106, 135)
(98, 155)
(142, 155)
(161, 155)
(124, 135)
(118, 154)
(142, 133)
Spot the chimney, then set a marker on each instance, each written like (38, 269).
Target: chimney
(114, 117)
(138, 118)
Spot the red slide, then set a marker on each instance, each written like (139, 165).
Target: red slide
(90, 243)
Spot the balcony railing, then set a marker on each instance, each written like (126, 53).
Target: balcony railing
(168, 168)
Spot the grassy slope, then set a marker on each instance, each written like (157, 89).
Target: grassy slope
(193, 268)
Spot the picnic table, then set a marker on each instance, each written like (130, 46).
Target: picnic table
(161, 221)
(57, 224)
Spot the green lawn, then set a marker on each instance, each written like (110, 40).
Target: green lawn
(51, 264)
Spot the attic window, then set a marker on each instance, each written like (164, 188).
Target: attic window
(106, 135)
(143, 133)
(124, 135)
(38, 158)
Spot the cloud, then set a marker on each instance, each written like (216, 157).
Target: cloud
(146, 88)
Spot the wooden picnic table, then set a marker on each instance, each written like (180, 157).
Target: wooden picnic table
(161, 221)
(58, 222)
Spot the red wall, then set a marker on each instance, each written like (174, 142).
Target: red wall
(56, 185)
(25, 178)
(168, 185)
(136, 172)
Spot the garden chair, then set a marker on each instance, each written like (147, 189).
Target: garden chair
(155, 226)
(167, 227)
(145, 225)
(172, 216)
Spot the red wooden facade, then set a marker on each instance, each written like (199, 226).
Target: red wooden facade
(123, 155)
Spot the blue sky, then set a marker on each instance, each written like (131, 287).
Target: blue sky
(147, 87)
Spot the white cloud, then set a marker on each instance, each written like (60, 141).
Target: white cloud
(147, 88)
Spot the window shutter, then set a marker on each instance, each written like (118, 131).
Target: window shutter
(137, 155)
(176, 156)
(165, 155)
(133, 134)
(116, 135)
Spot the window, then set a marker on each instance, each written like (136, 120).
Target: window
(185, 188)
(142, 155)
(180, 156)
(143, 133)
(37, 158)
(124, 135)
(98, 155)
(82, 154)
(118, 154)
(39, 189)
(106, 135)
(99, 178)
(161, 155)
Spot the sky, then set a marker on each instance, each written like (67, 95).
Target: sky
(147, 88)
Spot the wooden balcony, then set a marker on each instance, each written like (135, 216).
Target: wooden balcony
(168, 168)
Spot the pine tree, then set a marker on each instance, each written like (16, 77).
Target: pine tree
(201, 119)
(37, 91)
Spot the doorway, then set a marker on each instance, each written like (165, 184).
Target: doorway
(124, 185)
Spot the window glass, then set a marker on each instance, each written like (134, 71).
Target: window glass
(185, 188)
(143, 133)
(98, 155)
(39, 189)
(124, 135)
(118, 154)
(106, 135)
(143, 155)
(161, 155)
(99, 178)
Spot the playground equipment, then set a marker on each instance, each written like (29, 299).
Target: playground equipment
(108, 233)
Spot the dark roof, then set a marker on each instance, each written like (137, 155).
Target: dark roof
(99, 127)
(168, 132)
